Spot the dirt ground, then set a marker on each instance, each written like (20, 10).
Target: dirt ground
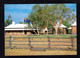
(27, 52)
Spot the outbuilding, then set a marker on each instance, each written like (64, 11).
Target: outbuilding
(61, 30)
(74, 28)
(64, 29)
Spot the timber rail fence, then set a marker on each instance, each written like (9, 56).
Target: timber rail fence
(72, 45)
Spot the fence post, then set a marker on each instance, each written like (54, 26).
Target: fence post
(29, 42)
(10, 42)
(72, 41)
(49, 42)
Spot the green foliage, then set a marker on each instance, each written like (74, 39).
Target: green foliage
(66, 23)
(69, 31)
(8, 21)
(21, 22)
(29, 26)
(42, 15)
(37, 16)
(49, 26)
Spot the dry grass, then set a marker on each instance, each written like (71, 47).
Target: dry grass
(26, 52)
(13, 52)
(43, 46)
(22, 52)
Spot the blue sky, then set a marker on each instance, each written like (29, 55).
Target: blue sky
(20, 11)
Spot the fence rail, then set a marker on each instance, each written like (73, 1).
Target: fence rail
(42, 37)
(49, 42)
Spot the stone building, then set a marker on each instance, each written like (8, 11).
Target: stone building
(18, 29)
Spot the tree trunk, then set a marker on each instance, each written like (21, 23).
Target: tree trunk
(56, 29)
(61, 23)
(47, 27)
(43, 31)
(34, 31)
(47, 30)
(52, 30)
(37, 30)
(52, 26)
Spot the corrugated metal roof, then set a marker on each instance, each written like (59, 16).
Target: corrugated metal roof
(18, 29)
(14, 26)
(17, 26)
(62, 26)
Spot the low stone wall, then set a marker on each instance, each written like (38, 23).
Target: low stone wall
(13, 33)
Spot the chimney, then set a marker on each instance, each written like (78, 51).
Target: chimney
(13, 23)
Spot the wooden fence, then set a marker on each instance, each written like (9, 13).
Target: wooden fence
(49, 43)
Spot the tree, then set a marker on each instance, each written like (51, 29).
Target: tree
(33, 19)
(8, 21)
(40, 16)
(66, 23)
(59, 14)
(46, 16)
(21, 22)
(37, 17)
